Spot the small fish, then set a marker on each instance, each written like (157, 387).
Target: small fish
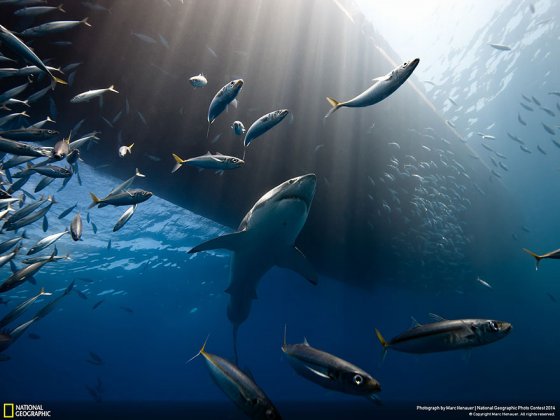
(24, 52)
(540, 149)
(91, 94)
(238, 128)
(67, 211)
(484, 283)
(548, 129)
(125, 198)
(209, 161)
(329, 371)
(123, 219)
(144, 38)
(76, 227)
(96, 305)
(124, 150)
(222, 99)
(45, 223)
(38, 10)
(452, 101)
(61, 149)
(553, 255)
(239, 387)
(500, 47)
(524, 148)
(521, 121)
(45, 242)
(94, 227)
(263, 124)
(109, 245)
(446, 335)
(94, 359)
(198, 81)
(50, 28)
(81, 294)
(383, 87)
(548, 111)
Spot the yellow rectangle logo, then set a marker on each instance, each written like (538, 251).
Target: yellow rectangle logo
(8, 410)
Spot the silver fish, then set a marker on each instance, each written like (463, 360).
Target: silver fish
(383, 87)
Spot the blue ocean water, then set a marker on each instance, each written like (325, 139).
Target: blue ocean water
(120, 349)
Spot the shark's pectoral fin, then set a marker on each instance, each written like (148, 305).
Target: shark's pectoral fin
(231, 241)
(293, 259)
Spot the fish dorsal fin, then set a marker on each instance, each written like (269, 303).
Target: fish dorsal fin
(232, 241)
(293, 259)
(383, 78)
(305, 342)
(436, 317)
(208, 153)
(414, 323)
(248, 372)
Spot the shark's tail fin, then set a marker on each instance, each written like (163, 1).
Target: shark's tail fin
(235, 355)
(334, 104)
(383, 343)
(537, 258)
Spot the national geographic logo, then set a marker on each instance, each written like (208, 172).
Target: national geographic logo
(12, 410)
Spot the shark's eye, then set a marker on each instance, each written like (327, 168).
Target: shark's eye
(358, 379)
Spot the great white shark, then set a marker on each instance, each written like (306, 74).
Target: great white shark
(265, 238)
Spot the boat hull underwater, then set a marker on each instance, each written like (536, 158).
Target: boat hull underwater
(367, 223)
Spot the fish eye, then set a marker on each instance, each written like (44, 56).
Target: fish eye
(291, 181)
(50, 131)
(358, 379)
(405, 63)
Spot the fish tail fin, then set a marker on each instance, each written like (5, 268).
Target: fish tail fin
(138, 173)
(235, 355)
(61, 8)
(56, 80)
(537, 257)
(95, 200)
(334, 104)
(85, 22)
(112, 89)
(201, 351)
(178, 163)
(383, 343)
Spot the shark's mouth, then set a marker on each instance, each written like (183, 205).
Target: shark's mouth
(297, 198)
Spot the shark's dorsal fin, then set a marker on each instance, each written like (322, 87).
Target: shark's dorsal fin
(436, 318)
(305, 342)
(293, 259)
(231, 241)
